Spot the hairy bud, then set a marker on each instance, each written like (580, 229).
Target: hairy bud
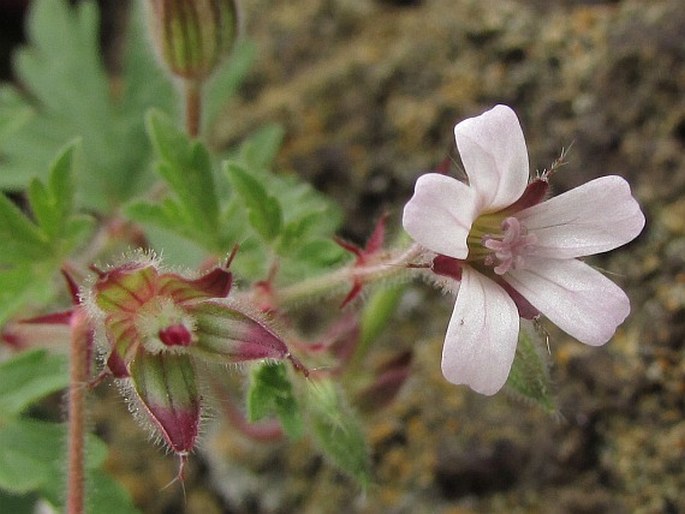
(157, 324)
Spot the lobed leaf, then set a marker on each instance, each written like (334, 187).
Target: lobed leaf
(69, 94)
(264, 210)
(271, 392)
(193, 208)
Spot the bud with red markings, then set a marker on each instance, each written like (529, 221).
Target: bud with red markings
(156, 324)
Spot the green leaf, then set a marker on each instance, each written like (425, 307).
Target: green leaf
(52, 205)
(16, 290)
(107, 496)
(33, 250)
(31, 457)
(271, 392)
(259, 151)
(192, 208)
(17, 504)
(33, 460)
(22, 239)
(529, 377)
(337, 430)
(28, 377)
(14, 113)
(69, 94)
(186, 167)
(264, 211)
(54, 231)
(225, 81)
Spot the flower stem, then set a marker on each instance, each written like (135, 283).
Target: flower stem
(193, 103)
(78, 375)
(391, 265)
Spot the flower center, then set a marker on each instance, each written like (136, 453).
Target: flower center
(164, 326)
(502, 249)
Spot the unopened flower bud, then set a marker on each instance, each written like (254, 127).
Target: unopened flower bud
(165, 385)
(157, 324)
(192, 36)
(226, 332)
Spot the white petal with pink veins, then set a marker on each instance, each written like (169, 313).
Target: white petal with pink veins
(595, 217)
(440, 214)
(482, 334)
(575, 297)
(495, 157)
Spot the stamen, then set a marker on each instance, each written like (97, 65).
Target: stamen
(509, 247)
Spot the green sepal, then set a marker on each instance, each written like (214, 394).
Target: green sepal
(229, 332)
(271, 392)
(378, 310)
(166, 387)
(337, 430)
(529, 376)
(126, 288)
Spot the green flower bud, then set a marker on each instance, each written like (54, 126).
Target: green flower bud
(193, 35)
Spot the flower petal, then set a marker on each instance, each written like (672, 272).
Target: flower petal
(575, 297)
(440, 214)
(481, 337)
(595, 217)
(495, 157)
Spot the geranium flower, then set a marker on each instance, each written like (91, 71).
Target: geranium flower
(514, 253)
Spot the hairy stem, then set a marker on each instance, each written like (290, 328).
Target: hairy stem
(78, 376)
(393, 264)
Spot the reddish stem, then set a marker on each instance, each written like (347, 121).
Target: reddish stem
(78, 371)
(193, 107)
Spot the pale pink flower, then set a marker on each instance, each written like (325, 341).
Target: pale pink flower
(516, 254)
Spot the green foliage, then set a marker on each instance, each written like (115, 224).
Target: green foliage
(31, 454)
(271, 392)
(377, 312)
(192, 208)
(69, 95)
(337, 430)
(303, 243)
(36, 246)
(28, 377)
(224, 83)
(263, 210)
(31, 451)
(529, 377)
(270, 216)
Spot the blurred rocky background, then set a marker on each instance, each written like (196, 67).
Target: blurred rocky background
(368, 92)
